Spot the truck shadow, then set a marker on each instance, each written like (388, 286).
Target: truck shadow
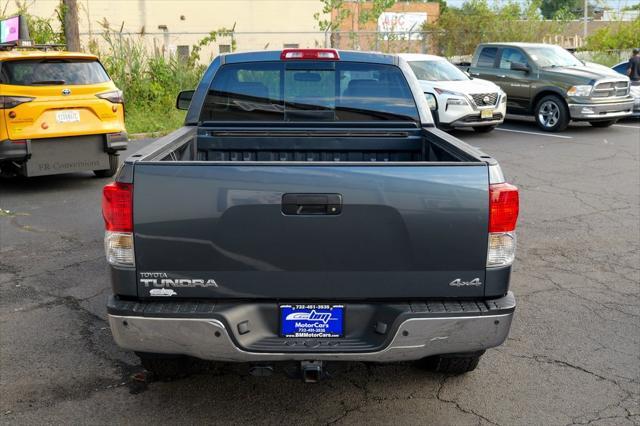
(17, 185)
(230, 395)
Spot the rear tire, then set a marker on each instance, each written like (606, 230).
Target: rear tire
(551, 114)
(452, 364)
(483, 129)
(114, 163)
(606, 123)
(168, 367)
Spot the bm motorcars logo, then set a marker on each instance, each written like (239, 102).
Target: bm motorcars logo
(325, 317)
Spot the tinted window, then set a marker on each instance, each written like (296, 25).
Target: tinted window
(437, 71)
(34, 72)
(553, 56)
(487, 57)
(622, 68)
(309, 91)
(512, 56)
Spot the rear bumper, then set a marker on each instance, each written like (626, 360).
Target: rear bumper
(205, 331)
(20, 150)
(596, 111)
(14, 150)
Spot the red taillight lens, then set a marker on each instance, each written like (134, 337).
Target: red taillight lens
(117, 207)
(316, 54)
(504, 204)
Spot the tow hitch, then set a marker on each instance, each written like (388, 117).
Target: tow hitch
(261, 370)
(311, 371)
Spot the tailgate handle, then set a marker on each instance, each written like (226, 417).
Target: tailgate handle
(311, 204)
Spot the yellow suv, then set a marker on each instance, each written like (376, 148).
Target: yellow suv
(59, 113)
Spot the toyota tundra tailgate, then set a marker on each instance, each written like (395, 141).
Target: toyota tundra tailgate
(310, 231)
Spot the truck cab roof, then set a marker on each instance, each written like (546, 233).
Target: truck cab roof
(345, 55)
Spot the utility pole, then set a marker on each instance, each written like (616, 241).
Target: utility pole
(586, 18)
(71, 30)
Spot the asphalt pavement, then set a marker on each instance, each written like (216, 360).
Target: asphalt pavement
(573, 355)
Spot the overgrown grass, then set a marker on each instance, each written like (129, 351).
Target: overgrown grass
(148, 120)
(149, 78)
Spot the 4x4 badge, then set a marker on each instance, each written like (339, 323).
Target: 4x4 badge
(66, 92)
(459, 283)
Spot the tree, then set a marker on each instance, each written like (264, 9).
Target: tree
(377, 7)
(333, 23)
(70, 25)
(338, 12)
(550, 8)
(566, 9)
(459, 30)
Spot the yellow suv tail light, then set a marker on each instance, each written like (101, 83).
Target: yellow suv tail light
(8, 102)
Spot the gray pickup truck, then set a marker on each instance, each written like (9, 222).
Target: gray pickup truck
(552, 85)
(309, 211)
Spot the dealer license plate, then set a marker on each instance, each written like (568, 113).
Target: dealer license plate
(68, 116)
(317, 321)
(486, 113)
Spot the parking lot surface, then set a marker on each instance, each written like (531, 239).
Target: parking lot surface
(572, 356)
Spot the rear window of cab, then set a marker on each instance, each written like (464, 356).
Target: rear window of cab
(52, 71)
(309, 91)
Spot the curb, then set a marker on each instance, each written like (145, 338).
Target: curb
(135, 136)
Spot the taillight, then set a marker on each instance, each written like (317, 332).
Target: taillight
(115, 96)
(504, 205)
(117, 211)
(117, 207)
(315, 54)
(8, 102)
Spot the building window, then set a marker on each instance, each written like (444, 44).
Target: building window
(290, 45)
(224, 48)
(183, 53)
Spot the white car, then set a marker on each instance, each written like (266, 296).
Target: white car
(456, 99)
(621, 68)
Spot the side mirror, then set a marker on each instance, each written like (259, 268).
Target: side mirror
(517, 66)
(431, 101)
(184, 99)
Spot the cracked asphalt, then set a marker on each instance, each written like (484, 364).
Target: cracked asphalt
(572, 356)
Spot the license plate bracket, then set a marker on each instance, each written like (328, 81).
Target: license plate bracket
(311, 320)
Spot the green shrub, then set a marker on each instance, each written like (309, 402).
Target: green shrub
(149, 79)
(621, 35)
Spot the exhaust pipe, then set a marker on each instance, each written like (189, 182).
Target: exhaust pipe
(311, 371)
